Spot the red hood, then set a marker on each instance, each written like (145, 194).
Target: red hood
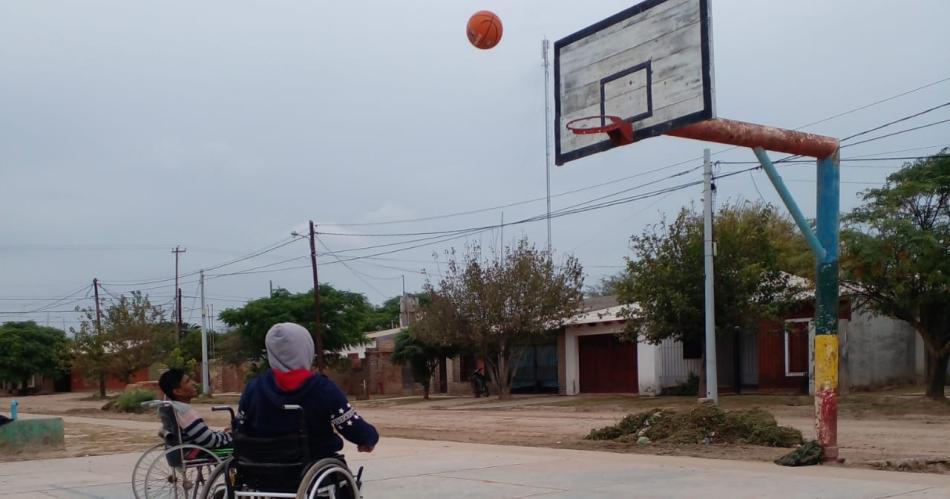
(291, 380)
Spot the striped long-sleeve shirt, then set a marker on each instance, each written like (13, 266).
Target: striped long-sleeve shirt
(195, 431)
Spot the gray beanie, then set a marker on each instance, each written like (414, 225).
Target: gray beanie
(289, 347)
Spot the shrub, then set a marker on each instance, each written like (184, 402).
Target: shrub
(690, 387)
(131, 401)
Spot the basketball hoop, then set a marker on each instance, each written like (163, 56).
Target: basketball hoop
(619, 130)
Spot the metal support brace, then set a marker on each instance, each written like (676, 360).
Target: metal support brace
(786, 196)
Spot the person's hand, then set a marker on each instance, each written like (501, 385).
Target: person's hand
(365, 448)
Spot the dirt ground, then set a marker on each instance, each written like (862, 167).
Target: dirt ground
(891, 429)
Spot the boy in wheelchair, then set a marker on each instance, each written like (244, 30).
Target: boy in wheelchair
(288, 415)
(180, 389)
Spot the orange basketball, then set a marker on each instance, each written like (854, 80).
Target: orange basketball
(484, 29)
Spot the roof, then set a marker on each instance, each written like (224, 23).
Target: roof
(384, 333)
(601, 309)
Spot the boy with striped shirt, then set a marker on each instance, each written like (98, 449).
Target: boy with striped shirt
(180, 389)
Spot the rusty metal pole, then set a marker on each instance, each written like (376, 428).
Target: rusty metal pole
(317, 329)
(826, 308)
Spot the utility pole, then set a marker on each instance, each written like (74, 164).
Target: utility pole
(177, 251)
(317, 330)
(502, 237)
(102, 374)
(403, 304)
(547, 132)
(271, 286)
(205, 371)
(712, 381)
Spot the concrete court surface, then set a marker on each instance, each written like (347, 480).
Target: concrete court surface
(429, 469)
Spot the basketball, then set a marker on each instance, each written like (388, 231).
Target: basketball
(484, 29)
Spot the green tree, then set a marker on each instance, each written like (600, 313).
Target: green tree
(344, 316)
(665, 276)
(607, 286)
(496, 306)
(896, 256)
(386, 315)
(134, 335)
(421, 356)
(28, 349)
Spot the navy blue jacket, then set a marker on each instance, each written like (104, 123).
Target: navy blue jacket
(325, 408)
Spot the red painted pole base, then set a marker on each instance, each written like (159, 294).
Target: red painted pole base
(826, 425)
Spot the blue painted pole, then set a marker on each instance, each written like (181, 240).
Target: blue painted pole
(786, 196)
(826, 308)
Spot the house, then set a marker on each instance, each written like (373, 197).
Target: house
(875, 351)
(80, 383)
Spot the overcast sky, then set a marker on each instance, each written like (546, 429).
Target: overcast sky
(127, 128)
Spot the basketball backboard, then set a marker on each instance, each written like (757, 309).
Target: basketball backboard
(650, 65)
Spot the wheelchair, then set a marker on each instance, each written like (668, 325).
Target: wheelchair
(172, 469)
(280, 467)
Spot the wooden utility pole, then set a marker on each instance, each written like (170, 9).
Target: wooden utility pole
(317, 330)
(177, 251)
(102, 374)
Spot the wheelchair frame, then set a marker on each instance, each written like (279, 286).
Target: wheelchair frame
(164, 469)
(319, 479)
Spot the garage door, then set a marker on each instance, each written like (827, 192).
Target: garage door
(607, 365)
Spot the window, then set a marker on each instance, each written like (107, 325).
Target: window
(796, 347)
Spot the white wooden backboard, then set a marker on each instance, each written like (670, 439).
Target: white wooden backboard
(650, 65)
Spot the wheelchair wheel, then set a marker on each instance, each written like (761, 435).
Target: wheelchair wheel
(179, 472)
(216, 486)
(141, 468)
(328, 479)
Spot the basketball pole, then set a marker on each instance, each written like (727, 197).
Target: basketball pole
(823, 241)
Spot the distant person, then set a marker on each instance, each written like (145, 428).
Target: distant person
(479, 382)
(290, 381)
(180, 389)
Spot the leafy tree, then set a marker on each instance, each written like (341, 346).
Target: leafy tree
(422, 357)
(186, 355)
(897, 256)
(28, 349)
(607, 286)
(495, 306)
(134, 335)
(386, 315)
(344, 317)
(665, 277)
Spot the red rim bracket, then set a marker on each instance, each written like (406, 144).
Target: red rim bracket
(619, 130)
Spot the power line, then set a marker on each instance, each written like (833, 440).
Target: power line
(877, 102)
(351, 269)
(905, 118)
(899, 132)
(257, 253)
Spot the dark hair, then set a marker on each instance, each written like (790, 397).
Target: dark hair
(170, 380)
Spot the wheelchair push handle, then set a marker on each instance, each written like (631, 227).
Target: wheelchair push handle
(230, 410)
(152, 404)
